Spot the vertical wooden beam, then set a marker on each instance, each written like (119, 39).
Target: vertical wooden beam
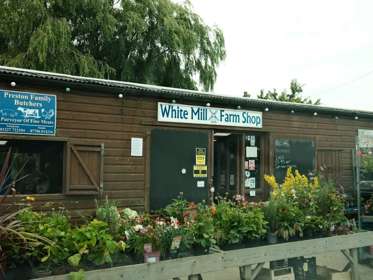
(146, 154)
(354, 264)
(246, 272)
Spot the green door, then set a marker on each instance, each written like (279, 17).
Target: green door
(174, 167)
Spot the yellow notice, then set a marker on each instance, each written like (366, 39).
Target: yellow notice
(200, 171)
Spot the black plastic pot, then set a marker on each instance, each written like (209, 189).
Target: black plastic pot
(272, 238)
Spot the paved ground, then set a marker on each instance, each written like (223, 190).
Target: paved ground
(335, 261)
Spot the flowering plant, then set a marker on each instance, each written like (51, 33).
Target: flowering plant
(307, 205)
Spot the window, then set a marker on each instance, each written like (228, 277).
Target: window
(32, 167)
(295, 153)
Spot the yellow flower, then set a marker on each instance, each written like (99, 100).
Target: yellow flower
(271, 180)
(30, 198)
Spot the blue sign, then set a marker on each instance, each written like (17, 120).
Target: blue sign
(27, 113)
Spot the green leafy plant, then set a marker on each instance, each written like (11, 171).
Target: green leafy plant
(54, 226)
(330, 205)
(236, 223)
(177, 208)
(107, 211)
(202, 227)
(272, 216)
(16, 240)
(168, 231)
(92, 242)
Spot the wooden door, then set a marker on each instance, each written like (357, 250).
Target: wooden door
(329, 164)
(85, 165)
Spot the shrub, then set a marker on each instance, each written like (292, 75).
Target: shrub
(235, 224)
(92, 242)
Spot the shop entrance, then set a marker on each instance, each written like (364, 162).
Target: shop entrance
(237, 164)
(226, 163)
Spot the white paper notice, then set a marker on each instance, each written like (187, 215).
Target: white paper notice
(252, 183)
(251, 152)
(200, 184)
(247, 183)
(252, 193)
(136, 147)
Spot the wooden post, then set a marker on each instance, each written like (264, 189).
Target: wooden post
(354, 264)
(245, 272)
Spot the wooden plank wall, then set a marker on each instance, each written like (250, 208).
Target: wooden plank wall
(101, 118)
(104, 118)
(328, 132)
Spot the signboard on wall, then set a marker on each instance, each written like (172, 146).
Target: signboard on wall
(27, 113)
(180, 113)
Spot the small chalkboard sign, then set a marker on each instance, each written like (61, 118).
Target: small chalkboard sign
(296, 153)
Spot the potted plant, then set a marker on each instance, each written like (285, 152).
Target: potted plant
(272, 217)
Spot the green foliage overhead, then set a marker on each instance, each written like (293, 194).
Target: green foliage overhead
(294, 96)
(148, 41)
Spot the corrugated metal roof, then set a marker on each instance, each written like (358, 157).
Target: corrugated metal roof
(178, 94)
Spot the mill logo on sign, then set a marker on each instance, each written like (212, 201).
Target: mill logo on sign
(180, 113)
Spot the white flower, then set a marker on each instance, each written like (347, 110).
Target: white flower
(131, 214)
(138, 227)
(174, 223)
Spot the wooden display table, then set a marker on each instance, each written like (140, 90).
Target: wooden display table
(250, 260)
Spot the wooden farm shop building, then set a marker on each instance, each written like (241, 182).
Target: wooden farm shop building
(70, 138)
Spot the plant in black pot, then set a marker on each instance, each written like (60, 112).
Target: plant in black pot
(271, 216)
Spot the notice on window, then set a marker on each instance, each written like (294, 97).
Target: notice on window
(250, 183)
(27, 113)
(252, 165)
(136, 147)
(251, 152)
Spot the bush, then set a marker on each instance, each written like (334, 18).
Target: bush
(235, 224)
(93, 243)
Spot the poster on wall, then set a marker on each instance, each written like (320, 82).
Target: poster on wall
(27, 113)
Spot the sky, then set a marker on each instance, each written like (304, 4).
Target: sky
(327, 45)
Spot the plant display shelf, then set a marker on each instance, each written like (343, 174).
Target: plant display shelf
(249, 260)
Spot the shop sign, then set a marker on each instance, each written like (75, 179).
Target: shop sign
(27, 113)
(180, 113)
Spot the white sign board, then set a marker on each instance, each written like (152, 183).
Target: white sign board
(180, 113)
(136, 147)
